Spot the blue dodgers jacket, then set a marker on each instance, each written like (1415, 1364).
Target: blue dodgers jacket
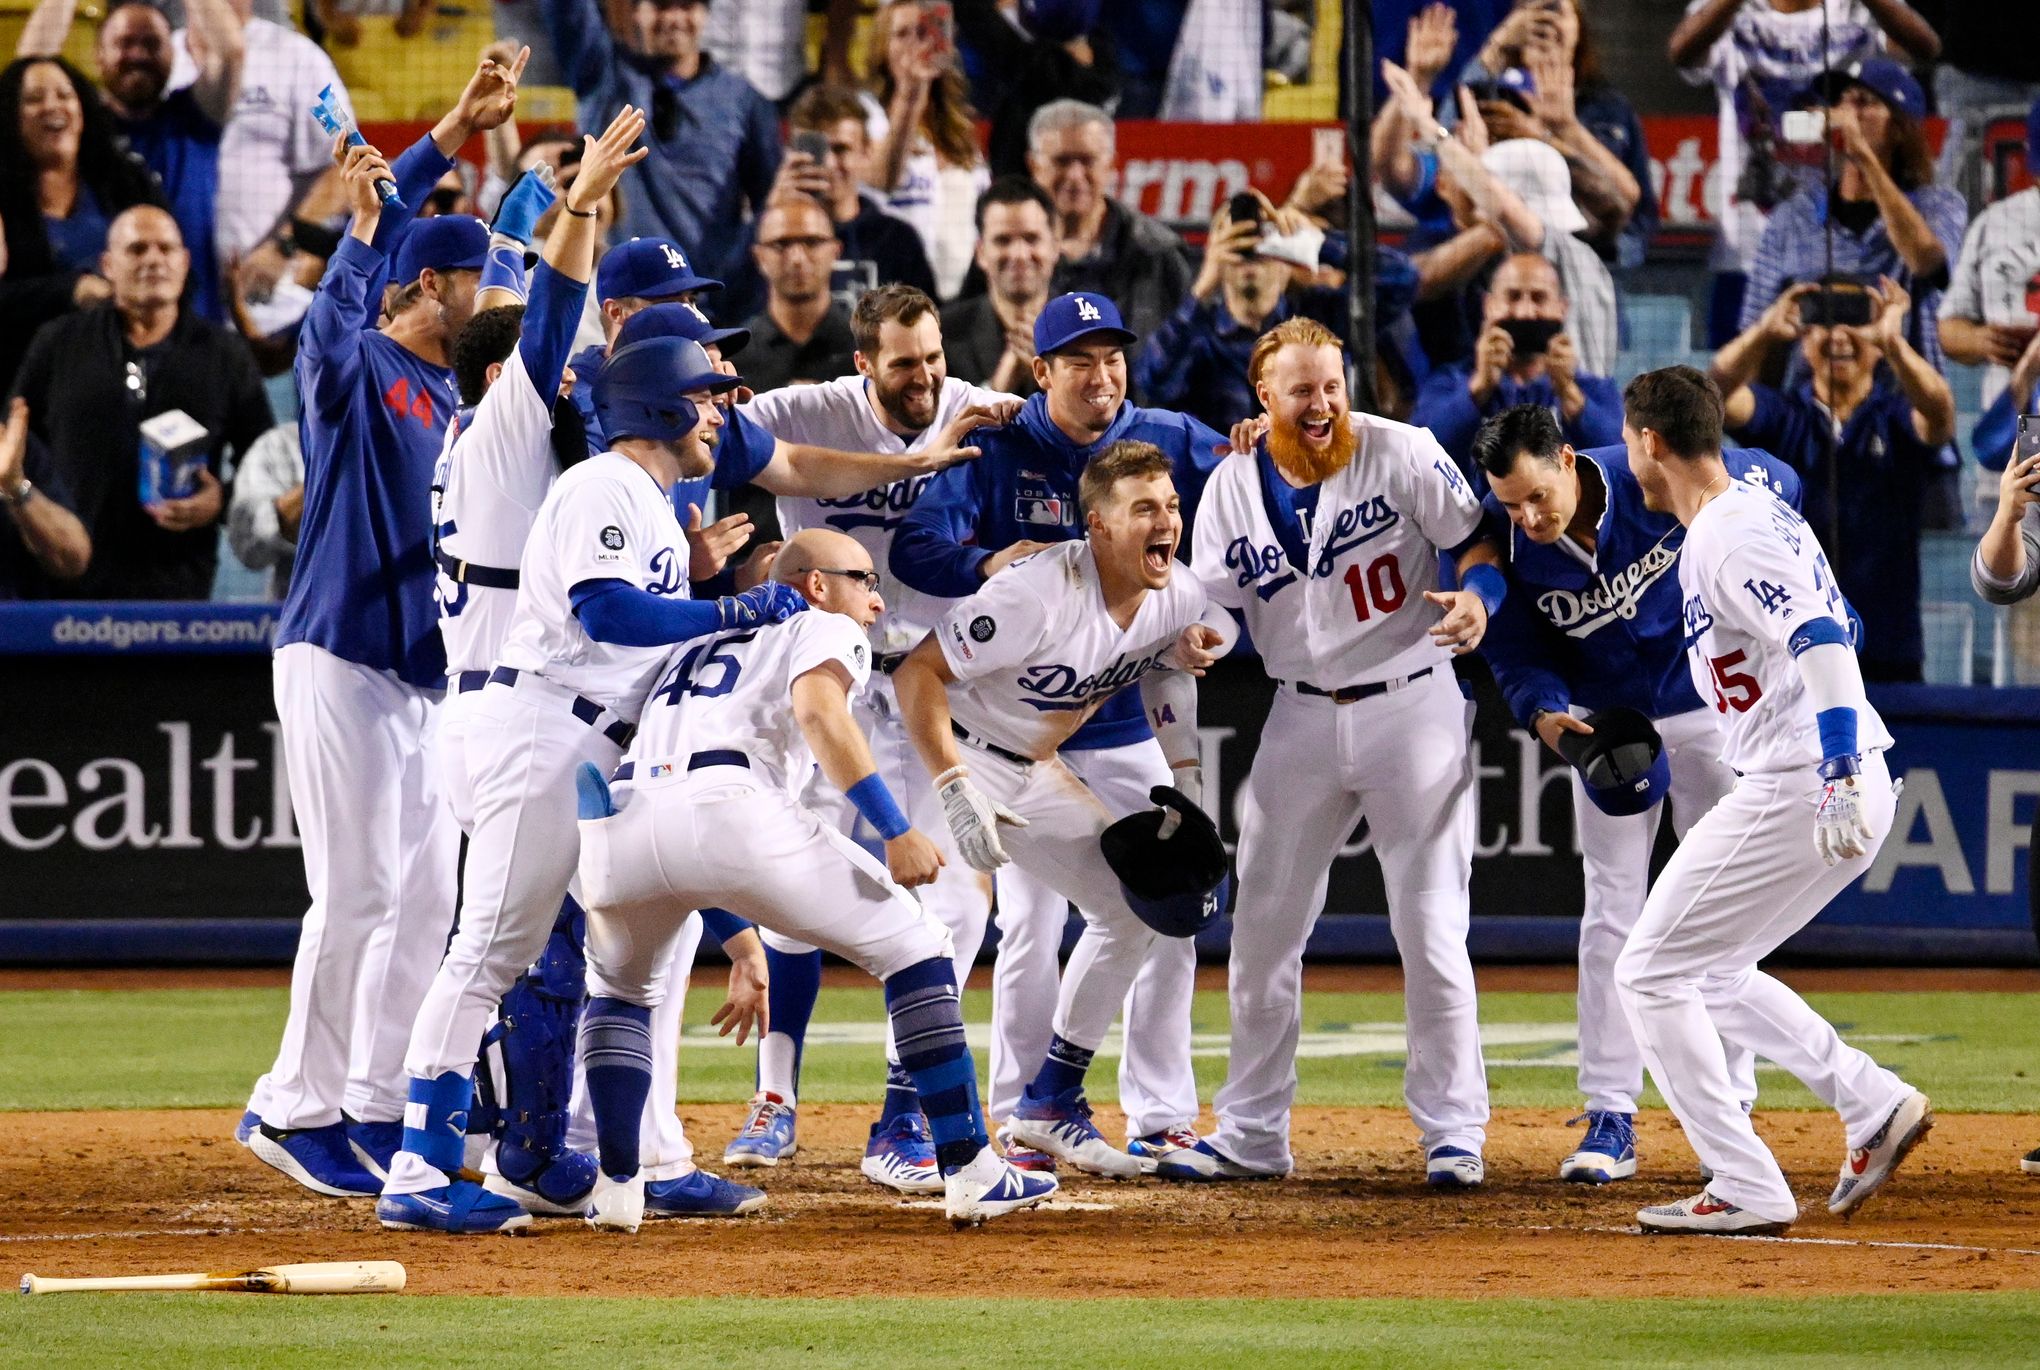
(1604, 629)
(1023, 487)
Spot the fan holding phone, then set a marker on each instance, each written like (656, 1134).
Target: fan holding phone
(1524, 355)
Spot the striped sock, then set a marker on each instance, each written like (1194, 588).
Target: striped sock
(1062, 1069)
(616, 1051)
(900, 1095)
(435, 1120)
(927, 1022)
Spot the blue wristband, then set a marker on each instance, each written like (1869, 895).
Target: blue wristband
(1488, 584)
(875, 802)
(1837, 742)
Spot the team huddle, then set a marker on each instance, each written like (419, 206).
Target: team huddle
(967, 681)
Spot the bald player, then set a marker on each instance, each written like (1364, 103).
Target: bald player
(705, 812)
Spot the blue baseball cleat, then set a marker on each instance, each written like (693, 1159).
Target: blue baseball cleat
(698, 1194)
(767, 1135)
(556, 1188)
(1607, 1153)
(1202, 1162)
(990, 1187)
(1062, 1127)
(463, 1208)
(1453, 1167)
(901, 1156)
(318, 1158)
(375, 1144)
(591, 792)
(243, 1130)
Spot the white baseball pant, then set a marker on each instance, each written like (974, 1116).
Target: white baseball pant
(380, 855)
(1157, 1089)
(456, 768)
(1400, 760)
(723, 838)
(960, 898)
(1746, 878)
(1615, 853)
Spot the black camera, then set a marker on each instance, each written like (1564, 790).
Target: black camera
(1531, 337)
(1836, 305)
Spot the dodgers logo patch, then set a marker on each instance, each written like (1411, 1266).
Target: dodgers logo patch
(982, 628)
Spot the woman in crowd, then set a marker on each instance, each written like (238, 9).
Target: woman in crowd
(64, 176)
(928, 164)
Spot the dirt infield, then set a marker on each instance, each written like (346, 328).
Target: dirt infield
(104, 1193)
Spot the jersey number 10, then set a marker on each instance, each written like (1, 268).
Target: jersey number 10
(1381, 583)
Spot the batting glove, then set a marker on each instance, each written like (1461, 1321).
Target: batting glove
(525, 203)
(974, 820)
(1840, 832)
(761, 604)
(1189, 780)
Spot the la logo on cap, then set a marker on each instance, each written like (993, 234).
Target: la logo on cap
(1087, 311)
(673, 257)
(695, 310)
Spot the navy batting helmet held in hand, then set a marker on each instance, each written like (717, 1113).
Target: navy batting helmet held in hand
(1622, 761)
(641, 390)
(1171, 864)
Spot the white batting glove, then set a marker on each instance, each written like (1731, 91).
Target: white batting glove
(1840, 832)
(974, 820)
(1190, 781)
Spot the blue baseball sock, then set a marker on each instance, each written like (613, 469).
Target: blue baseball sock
(1063, 1068)
(927, 1023)
(435, 1120)
(900, 1095)
(616, 1049)
(795, 978)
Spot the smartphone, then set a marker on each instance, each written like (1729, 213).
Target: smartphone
(1531, 337)
(1243, 208)
(2028, 444)
(813, 142)
(1827, 308)
(1328, 146)
(938, 27)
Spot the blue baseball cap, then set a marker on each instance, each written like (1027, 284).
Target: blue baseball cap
(450, 242)
(1622, 763)
(647, 269)
(1067, 318)
(1882, 77)
(681, 320)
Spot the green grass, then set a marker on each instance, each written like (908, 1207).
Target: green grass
(73, 1049)
(169, 1331)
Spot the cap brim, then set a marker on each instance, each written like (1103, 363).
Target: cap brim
(1118, 335)
(685, 285)
(730, 340)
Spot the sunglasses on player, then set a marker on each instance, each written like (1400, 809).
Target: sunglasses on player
(868, 579)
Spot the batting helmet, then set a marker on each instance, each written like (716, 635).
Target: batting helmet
(1171, 864)
(1622, 761)
(641, 390)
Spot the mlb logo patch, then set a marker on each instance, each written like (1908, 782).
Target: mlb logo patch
(1039, 510)
(658, 771)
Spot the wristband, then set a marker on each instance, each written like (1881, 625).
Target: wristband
(1837, 742)
(875, 802)
(1487, 584)
(578, 213)
(317, 239)
(953, 773)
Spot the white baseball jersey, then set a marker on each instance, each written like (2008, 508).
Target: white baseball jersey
(838, 414)
(1036, 646)
(732, 692)
(1355, 612)
(1752, 574)
(492, 478)
(606, 519)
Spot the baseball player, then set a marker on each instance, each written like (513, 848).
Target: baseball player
(1020, 497)
(1011, 674)
(1768, 645)
(1325, 539)
(1592, 621)
(359, 670)
(601, 593)
(706, 812)
(900, 398)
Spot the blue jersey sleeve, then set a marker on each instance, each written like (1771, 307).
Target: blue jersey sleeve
(1518, 649)
(581, 42)
(1445, 406)
(551, 315)
(1599, 423)
(930, 553)
(329, 358)
(745, 450)
(417, 169)
(615, 611)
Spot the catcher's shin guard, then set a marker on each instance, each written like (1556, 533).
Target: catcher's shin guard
(525, 1074)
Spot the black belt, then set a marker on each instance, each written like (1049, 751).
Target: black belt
(470, 573)
(584, 708)
(890, 662)
(994, 748)
(1353, 693)
(698, 761)
(469, 681)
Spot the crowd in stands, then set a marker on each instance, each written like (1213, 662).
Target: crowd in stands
(168, 213)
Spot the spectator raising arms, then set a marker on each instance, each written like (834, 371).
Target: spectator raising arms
(714, 139)
(177, 133)
(1525, 355)
(1759, 55)
(41, 539)
(1885, 214)
(2006, 568)
(1108, 248)
(63, 178)
(989, 338)
(928, 164)
(1866, 438)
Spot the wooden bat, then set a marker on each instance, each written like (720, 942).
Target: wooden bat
(315, 1277)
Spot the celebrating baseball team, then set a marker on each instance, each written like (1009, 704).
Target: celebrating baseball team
(966, 683)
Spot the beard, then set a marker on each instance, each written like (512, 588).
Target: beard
(903, 410)
(1312, 465)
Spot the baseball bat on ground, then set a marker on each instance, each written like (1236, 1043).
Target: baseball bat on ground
(314, 1277)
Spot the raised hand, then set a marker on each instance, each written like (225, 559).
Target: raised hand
(605, 159)
(490, 97)
(1433, 34)
(710, 547)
